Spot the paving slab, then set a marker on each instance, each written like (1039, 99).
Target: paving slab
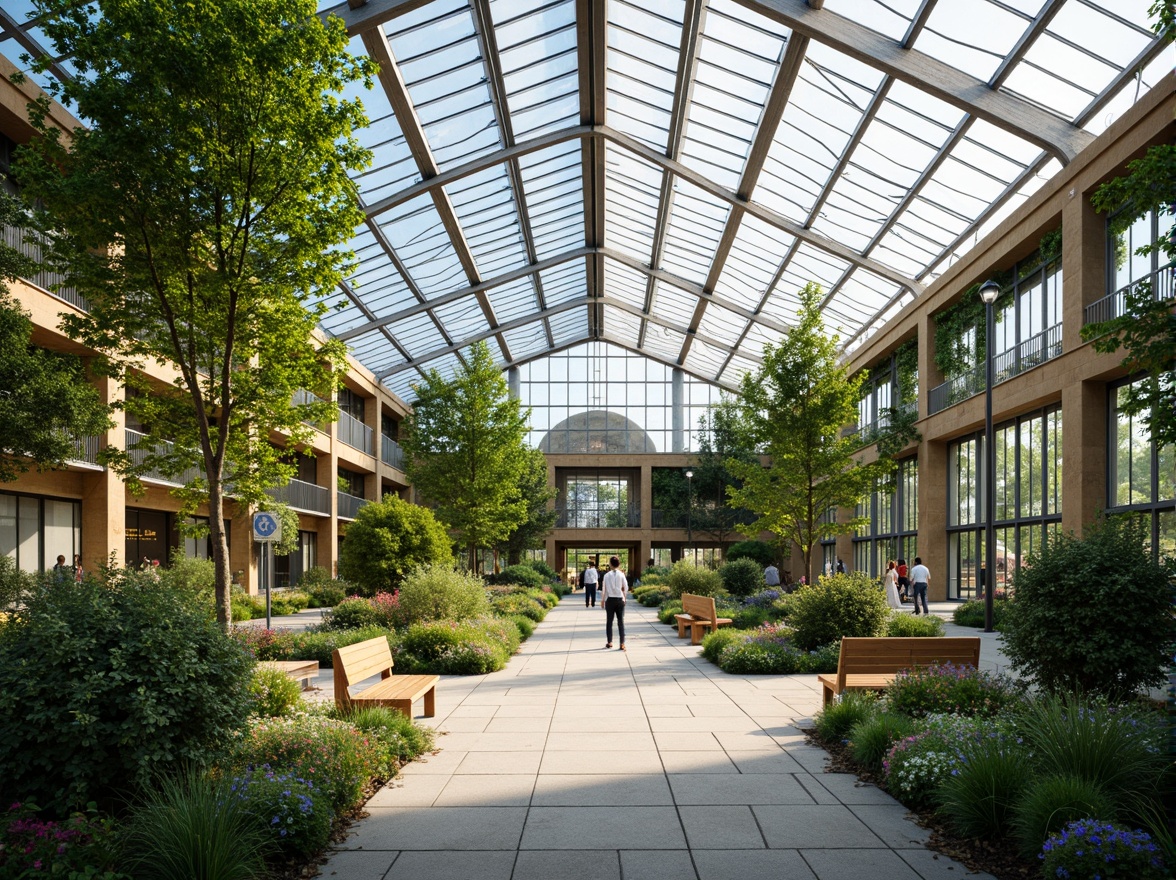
(576, 763)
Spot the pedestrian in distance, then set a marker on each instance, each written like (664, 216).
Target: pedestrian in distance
(591, 579)
(61, 571)
(614, 586)
(891, 582)
(920, 577)
(772, 575)
(77, 568)
(904, 582)
(840, 566)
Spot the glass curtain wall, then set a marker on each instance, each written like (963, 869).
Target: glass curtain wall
(1126, 268)
(1029, 318)
(34, 531)
(893, 512)
(1028, 489)
(1142, 475)
(597, 500)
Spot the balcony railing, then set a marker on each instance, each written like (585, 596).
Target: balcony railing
(597, 518)
(159, 447)
(302, 397)
(391, 452)
(15, 238)
(349, 505)
(667, 519)
(954, 390)
(303, 496)
(1163, 286)
(1034, 351)
(86, 450)
(355, 433)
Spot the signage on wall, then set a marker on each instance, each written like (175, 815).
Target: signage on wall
(267, 528)
(142, 534)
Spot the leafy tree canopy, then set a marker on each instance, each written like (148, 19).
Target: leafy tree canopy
(201, 213)
(540, 518)
(793, 409)
(389, 539)
(464, 450)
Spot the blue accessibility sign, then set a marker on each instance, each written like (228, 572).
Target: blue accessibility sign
(266, 527)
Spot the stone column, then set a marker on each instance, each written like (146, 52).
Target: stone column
(646, 495)
(1084, 265)
(104, 497)
(678, 410)
(933, 494)
(1084, 454)
(326, 474)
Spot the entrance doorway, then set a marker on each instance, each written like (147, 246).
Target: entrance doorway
(577, 557)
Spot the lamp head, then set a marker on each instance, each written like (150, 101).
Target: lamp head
(989, 291)
(689, 474)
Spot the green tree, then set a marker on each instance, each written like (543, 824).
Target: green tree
(45, 400)
(464, 451)
(540, 517)
(793, 410)
(720, 442)
(389, 539)
(198, 213)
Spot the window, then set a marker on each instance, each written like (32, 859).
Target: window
(351, 404)
(350, 482)
(1142, 476)
(893, 513)
(34, 531)
(596, 500)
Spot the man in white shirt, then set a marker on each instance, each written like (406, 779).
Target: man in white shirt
(591, 579)
(614, 586)
(920, 577)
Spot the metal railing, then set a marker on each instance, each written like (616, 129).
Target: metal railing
(159, 447)
(954, 390)
(302, 397)
(1035, 350)
(15, 238)
(597, 517)
(304, 496)
(355, 433)
(86, 449)
(1163, 286)
(349, 505)
(391, 452)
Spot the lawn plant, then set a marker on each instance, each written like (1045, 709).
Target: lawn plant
(834, 722)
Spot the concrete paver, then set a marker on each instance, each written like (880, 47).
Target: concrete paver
(578, 763)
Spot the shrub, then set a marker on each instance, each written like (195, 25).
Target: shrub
(31, 846)
(525, 624)
(1051, 803)
(386, 607)
(192, 826)
(518, 604)
(241, 608)
(839, 605)
(908, 625)
(977, 797)
(288, 601)
(549, 573)
(323, 590)
(14, 583)
(759, 552)
(963, 690)
(685, 577)
(308, 645)
(459, 648)
(713, 643)
(523, 575)
(352, 613)
(274, 693)
(918, 764)
(336, 757)
(834, 722)
(1093, 849)
(397, 734)
(1118, 750)
(102, 686)
(437, 592)
(293, 814)
(388, 540)
(668, 610)
(1093, 614)
(186, 574)
(972, 613)
(761, 655)
(742, 577)
(652, 596)
(870, 740)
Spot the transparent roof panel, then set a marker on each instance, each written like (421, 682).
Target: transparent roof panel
(642, 56)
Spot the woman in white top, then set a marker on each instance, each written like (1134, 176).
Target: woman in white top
(892, 585)
(613, 587)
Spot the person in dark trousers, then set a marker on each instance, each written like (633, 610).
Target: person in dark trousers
(920, 577)
(591, 578)
(614, 586)
(840, 567)
(904, 582)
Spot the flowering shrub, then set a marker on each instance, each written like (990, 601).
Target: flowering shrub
(353, 613)
(468, 659)
(448, 646)
(274, 693)
(259, 641)
(714, 643)
(333, 755)
(1094, 850)
(769, 650)
(763, 599)
(949, 688)
(295, 816)
(30, 846)
(386, 607)
(401, 739)
(918, 764)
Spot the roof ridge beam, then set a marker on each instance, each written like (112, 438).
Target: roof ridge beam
(591, 48)
(928, 74)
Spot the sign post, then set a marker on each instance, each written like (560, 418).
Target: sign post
(267, 530)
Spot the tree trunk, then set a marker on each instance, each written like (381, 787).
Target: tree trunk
(473, 551)
(220, 555)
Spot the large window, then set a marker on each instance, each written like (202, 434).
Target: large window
(34, 531)
(893, 513)
(1028, 497)
(600, 398)
(1028, 318)
(1142, 475)
(592, 499)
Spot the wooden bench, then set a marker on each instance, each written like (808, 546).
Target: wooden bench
(698, 616)
(361, 661)
(303, 671)
(871, 664)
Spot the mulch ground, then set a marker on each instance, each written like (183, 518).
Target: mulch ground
(998, 858)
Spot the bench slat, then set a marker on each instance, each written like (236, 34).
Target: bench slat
(361, 661)
(871, 663)
(399, 687)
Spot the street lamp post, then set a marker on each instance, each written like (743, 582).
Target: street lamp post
(989, 291)
(689, 508)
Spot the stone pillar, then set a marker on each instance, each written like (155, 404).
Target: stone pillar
(1084, 265)
(243, 553)
(678, 410)
(1084, 454)
(104, 497)
(929, 374)
(326, 474)
(646, 495)
(933, 494)
(512, 382)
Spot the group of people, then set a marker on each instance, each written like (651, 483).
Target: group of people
(63, 571)
(613, 587)
(901, 583)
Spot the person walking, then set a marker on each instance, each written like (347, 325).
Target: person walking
(840, 566)
(614, 586)
(591, 579)
(920, 577)
(904, 582)
(892, 585)
(772, 575)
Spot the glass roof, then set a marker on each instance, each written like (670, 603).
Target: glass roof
(664, 175)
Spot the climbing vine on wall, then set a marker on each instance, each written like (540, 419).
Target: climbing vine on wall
(906, 359)
(1051, 245)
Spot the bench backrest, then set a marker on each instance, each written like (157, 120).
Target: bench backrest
(699, 606)
(864, 656)
(358, 662)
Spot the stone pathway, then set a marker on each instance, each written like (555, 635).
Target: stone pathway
(577, 763)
